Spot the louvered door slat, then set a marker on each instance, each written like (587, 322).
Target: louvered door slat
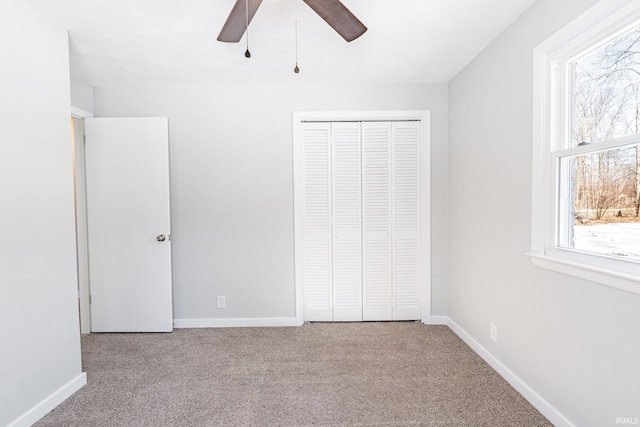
(406, 221)
(316, 221)
(376, 197)
(347, 262)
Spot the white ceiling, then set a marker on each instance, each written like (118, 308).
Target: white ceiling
(128, 42)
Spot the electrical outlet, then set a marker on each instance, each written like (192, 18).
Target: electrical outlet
(221, 302)
(493, 332)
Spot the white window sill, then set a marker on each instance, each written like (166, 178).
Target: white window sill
(614, 279)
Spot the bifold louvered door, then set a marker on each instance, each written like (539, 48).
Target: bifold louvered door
(406, 213)
(316, 222)
(361, 221)
(376, 225)
(391, 226)
(347, 234)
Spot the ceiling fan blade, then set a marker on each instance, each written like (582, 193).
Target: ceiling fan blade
(339, 17)
(236, 23)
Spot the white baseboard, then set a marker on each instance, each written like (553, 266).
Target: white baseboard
(48, 404)
(534, 398)
(236, 323)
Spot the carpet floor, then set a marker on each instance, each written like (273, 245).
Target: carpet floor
(319, 374)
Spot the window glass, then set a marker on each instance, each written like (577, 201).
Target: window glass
(606, 91)
(603, 193)
(599, 194)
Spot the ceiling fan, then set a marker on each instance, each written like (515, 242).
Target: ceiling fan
(332, 11)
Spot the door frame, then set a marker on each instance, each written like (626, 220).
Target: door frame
(424, 117)
(80, 198)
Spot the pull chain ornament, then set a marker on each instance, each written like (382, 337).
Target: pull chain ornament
(296, 69)
(247, 54)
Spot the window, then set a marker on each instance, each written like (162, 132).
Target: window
(586, 145)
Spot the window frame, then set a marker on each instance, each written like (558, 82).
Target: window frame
(552, 128)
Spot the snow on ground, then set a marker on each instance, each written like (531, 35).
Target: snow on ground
(617, 239)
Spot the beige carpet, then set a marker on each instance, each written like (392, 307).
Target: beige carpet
(322, 374)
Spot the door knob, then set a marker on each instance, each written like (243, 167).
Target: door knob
(161, 238)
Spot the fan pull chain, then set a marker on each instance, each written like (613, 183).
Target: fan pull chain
(296, 69)
(247, 54)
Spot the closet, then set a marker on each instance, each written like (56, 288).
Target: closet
(360, 219)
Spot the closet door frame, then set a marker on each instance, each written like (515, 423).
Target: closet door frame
(424, 117)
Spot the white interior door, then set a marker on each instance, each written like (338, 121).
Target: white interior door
(127, 177)
(316, 222)
(347, 235)
(392, 225)
(376, 225)
(81, 223)
(407, 221)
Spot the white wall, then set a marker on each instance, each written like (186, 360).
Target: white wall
(40, 340)
(572, 341)
(81, 96)
(232, 184)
